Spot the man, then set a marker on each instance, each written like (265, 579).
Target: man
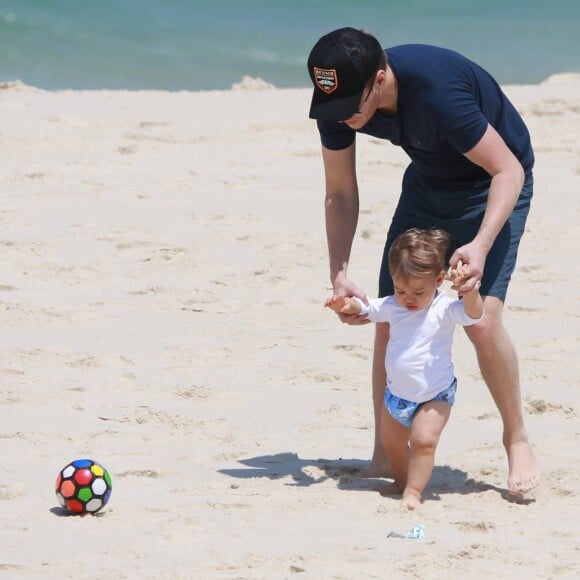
(470, 173)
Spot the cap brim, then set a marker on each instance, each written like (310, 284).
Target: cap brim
(325, 108)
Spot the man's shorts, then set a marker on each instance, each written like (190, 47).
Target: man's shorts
(422, 206)
(403, 411)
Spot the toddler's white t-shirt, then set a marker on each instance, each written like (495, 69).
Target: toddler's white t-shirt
(418, 359)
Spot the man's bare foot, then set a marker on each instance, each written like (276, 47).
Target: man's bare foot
(391, 489)
(524, 472)
(411, 500)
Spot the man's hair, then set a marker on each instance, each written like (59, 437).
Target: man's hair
(419, 253)
(360, 47)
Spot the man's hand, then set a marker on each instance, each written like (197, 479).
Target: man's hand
(466, 267)
(344, 287)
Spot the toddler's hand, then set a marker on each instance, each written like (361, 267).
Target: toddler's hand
(457, 275)
(342, 305)
(336, 304)
(348, 309)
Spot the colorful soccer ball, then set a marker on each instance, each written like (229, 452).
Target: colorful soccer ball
(83, 486)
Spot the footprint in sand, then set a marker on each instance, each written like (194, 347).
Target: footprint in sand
(539, 407)
(563, 482)
(476, 552)
(87, 361)
(145, 415)
(530, 268)
(475, 526)
(8, 493)
(150, 473)
(10, 372)
(17, 435)
(9, 567)
(353, 350)
(127, 149)
(193, 392)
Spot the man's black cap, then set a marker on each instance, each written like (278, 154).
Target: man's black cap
(340, 65)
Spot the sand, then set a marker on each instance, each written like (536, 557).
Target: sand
(163, 273)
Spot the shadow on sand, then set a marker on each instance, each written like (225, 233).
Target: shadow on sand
(306, 472)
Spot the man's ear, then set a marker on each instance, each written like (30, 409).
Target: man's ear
(381, 76)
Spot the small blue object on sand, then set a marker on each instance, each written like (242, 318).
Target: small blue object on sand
(415, 533)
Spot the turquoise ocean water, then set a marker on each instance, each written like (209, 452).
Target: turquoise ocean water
(194, 45)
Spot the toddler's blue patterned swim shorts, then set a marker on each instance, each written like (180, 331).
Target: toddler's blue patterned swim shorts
(403, 410)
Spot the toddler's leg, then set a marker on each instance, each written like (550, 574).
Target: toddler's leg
(428, 423)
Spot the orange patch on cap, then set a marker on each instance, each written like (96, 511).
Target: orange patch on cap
(326, 79)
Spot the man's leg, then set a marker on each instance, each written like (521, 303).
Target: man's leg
(395, 441)
(379, 465)
(499, 367)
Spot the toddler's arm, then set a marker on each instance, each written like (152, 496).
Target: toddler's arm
(472, 301)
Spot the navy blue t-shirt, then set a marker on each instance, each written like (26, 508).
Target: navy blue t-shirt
(445, 102)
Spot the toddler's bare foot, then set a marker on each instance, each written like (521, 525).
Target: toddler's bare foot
(411, 500)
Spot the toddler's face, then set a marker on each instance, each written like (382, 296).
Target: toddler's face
(416, 293)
